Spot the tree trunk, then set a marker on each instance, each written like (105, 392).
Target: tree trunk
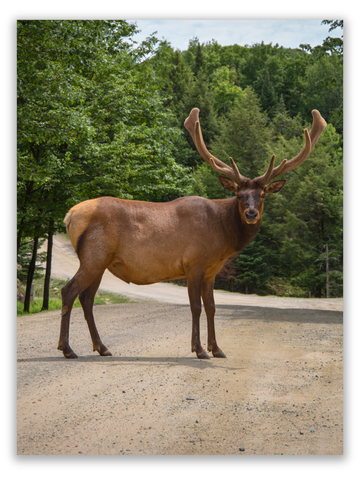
(327, 272)
(30, 276)
(18, 242)
(29, 188)
(45, 305)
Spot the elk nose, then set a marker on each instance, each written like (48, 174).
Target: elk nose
(251, 216)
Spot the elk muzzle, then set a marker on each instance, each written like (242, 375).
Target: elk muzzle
(251, 215)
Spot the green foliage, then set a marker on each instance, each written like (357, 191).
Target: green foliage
(226, 92)
(283, 125)
(252, 269)
(206, 183)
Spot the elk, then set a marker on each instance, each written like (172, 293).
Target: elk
(190, 237)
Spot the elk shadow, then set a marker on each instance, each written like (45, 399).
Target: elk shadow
(137, 360)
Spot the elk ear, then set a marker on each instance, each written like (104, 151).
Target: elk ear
(274, 187)
(228, 184)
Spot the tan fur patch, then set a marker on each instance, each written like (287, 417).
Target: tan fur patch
(78, 218)
(64, 310)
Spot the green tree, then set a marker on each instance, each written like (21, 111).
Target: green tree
(267, 94)
(283, 125)
(252, 268)
(226, 92)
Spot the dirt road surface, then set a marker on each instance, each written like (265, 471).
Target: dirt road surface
(279, 391)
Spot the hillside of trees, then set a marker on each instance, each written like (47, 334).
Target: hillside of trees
(100, 115)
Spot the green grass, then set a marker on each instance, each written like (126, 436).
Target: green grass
(102, 298)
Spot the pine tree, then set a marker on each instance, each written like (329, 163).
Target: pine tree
(252, 270)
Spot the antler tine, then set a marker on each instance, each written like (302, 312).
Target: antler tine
(239, 178)
(224, 170)
(192, 124)
(317, 128)
(270, 173)
(265, 178)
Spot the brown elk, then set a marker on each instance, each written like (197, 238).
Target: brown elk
(191, 237)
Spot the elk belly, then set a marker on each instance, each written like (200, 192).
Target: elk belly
(146, 273)
(115, 269)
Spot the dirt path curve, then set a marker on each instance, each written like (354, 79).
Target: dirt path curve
(279, 391)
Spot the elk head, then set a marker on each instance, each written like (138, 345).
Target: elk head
(251, 193)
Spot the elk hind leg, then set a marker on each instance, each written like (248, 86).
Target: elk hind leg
(80, 281)
(86, 298)
(68, 293)
(207, 293)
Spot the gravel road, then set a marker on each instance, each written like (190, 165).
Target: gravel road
(279, 391)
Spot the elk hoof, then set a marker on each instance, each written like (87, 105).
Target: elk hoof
(70, 355)
(219, 354)
(68, 352)
(107, 353)
(104, 351)
(203, 356)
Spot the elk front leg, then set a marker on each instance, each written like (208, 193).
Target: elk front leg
(194, 291)
(207, 293)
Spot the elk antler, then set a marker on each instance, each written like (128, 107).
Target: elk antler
(317, 128)
(192, 125)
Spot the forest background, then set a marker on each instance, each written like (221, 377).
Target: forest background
(101, 115)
